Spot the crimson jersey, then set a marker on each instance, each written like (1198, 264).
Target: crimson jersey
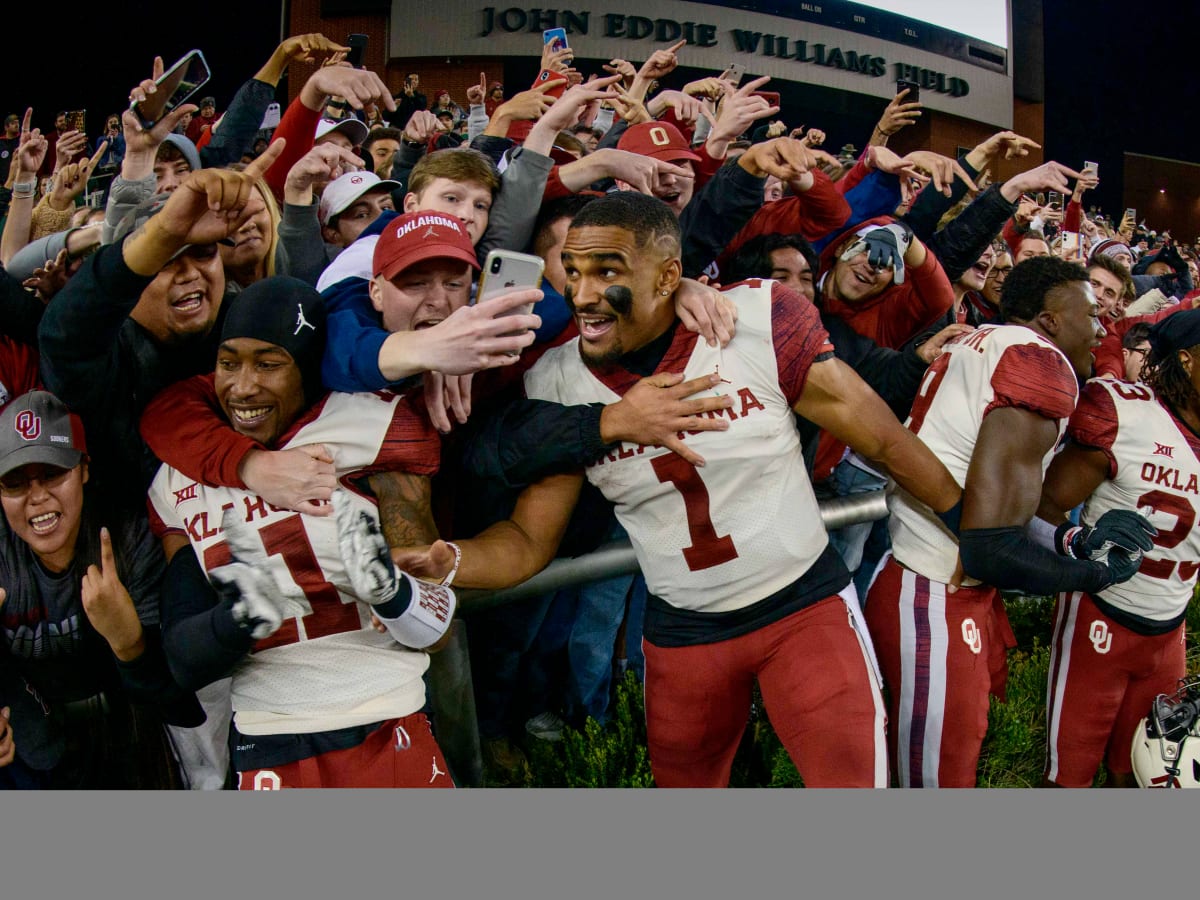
(746, 525)
(993, 367)
(1153, 468)
(326, 667)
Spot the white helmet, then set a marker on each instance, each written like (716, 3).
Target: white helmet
(1166, 743)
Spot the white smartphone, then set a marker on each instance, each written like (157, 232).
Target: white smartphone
(1071, 248)
(505, 271)
(175, 86)
(1095, 167)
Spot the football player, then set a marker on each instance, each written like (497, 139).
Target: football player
(1117, 648)
(993, 407)
(283, 602)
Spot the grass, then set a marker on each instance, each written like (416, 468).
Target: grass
(1012, 756)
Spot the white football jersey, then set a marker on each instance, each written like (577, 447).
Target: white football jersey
(994, 366)
(1153, 468)
(326, 667)
(746, 525)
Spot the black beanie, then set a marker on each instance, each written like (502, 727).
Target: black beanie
(286, 312)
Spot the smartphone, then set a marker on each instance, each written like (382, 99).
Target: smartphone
(175, 86)
(1071, 247)
(914, 90)
(734, 73)
(1131, 214)
(771, 97)
(1095, 167)
(557, 79)
(358, 48)
(78, 120)
(505, 271)
(556, 38)
(1054, 198)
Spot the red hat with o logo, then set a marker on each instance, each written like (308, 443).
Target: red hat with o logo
(417, 236)
(658, 140)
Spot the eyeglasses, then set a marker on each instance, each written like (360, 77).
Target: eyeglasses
(1142, 351)
(17, 482)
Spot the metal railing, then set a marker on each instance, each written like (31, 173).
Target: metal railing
(452, 694)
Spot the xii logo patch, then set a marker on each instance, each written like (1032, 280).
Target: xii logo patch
(1164, 450)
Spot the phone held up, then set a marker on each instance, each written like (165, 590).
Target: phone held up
(556, 38)
(175, 86)
(914, 90)
(505, 271)
(358, 49)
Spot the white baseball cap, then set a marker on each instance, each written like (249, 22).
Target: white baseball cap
(344, 191)
(353, 128)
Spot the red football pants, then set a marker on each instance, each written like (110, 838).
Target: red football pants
(941, 655)
(399, 753)
(1103, 679)
(818, 685)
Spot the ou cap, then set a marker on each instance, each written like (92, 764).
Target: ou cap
(344, 191)
(418, 236)
(658, 140)
(38, 428)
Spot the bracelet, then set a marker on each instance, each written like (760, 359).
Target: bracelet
(449, 579)
(24, 190)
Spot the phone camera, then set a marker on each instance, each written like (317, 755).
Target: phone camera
(495, 266)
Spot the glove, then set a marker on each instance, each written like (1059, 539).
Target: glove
(1122, 564)
(258, 604)
(885, 248)
(365, 552)
(1118, 528)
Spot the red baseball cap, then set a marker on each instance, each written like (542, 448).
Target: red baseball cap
(658, 140)
(417, 236)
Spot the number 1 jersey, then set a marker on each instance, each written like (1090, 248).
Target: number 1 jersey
(721, 537)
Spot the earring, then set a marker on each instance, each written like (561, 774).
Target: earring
(664, 293)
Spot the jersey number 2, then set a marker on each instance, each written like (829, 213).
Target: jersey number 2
(708, 549)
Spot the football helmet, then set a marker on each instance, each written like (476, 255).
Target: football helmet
(1166, 744)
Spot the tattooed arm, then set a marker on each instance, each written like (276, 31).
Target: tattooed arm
(405, 511)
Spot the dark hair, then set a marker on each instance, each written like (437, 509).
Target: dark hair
(646, 217)
(1138, 332)
(1117, 269)
(1167, 377)
(753, 259)
(562, 208)
(381, 134)
(1024, 293)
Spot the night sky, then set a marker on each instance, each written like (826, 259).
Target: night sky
(1122, 71)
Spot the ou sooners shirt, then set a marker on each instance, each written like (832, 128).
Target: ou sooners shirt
(993, 367)
(746, 525)
(325, 668)
(1153, 468)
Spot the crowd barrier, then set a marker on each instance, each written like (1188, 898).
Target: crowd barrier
(451, 694)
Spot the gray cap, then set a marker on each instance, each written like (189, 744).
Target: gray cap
(37, 428)
(186, 147)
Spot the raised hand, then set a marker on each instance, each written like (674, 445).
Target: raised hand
(661, 63)
(941, 169)
(69, 145)
(477, 92)
(898, 114)
(108, 605)
(70, 182)
(309, 48)
(31, 149)
(324, 162)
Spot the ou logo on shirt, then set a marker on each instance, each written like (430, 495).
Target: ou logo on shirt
(971, 636)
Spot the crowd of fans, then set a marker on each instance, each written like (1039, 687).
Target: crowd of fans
(257, 436)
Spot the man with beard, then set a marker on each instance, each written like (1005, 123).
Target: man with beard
(743, 583)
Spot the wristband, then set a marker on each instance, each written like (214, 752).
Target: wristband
(449, 579)
(428, 616)
(1064, 539)
(24, 190)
